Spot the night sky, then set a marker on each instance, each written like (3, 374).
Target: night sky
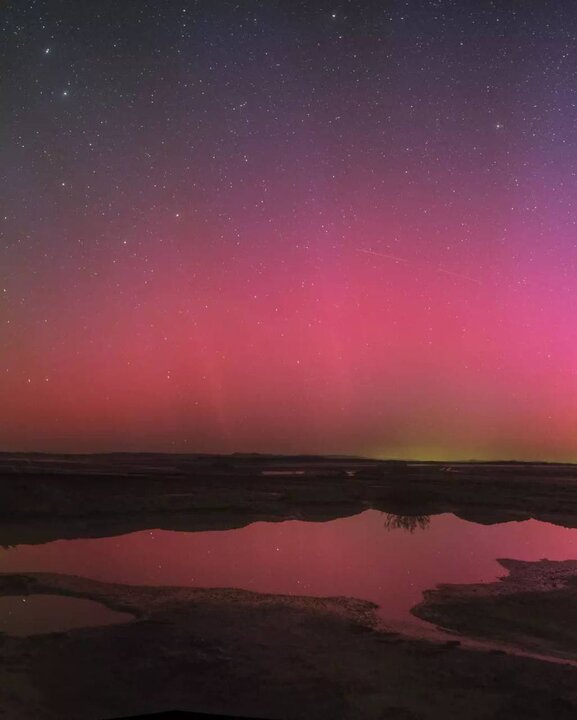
(289, 226)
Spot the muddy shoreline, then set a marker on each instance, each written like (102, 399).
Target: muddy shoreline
(238, 652)
(532, 608)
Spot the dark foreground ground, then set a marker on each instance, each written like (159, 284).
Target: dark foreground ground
(533, 608)
(270, 656)
(263, 656)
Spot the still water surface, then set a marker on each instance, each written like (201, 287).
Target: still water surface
(366, 556)
(37, 614)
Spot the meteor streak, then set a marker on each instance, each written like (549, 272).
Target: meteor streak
(404, 260)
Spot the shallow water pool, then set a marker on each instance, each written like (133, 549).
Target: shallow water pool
(38, 614)
(388, 559)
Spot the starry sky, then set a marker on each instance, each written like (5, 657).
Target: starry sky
(289, 226)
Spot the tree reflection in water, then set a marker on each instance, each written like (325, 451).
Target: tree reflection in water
(407, 522)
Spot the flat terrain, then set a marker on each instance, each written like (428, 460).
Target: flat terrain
(533, 607)
(267, 656)
(285, 657)
(49, 497)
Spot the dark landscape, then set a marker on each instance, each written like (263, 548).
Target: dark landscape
(48, 497)
(279, 656)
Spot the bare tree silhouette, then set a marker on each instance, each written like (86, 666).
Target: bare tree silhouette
(406, 522)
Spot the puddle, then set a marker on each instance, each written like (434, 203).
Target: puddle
(36, 614)
(387, 559)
